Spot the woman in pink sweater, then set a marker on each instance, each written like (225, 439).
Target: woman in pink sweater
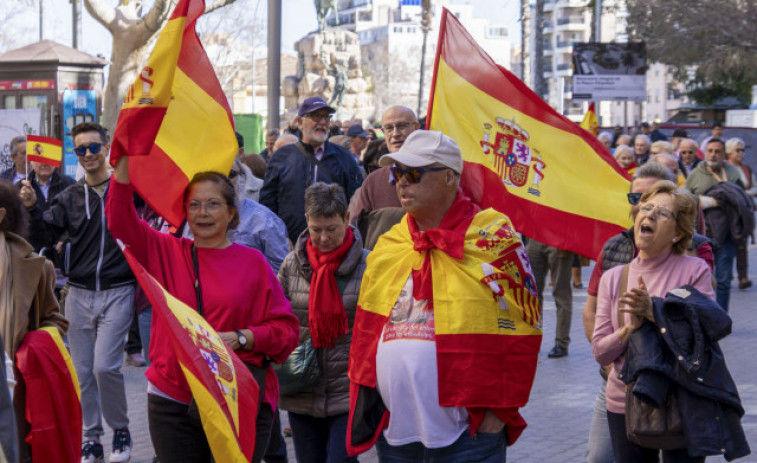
(241, 299)
(663, 227)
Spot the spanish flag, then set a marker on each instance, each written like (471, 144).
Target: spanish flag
(223, 388)
(45, 150)
(175, 121)
(553, 179)
(590, 122)
(51, 397)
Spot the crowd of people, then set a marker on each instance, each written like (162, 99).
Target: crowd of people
(353, 244)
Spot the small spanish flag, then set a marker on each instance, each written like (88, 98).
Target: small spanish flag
(44, 150)
(590, 122)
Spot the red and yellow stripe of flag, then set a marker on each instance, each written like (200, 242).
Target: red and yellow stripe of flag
(590, 122)
(44, 150)
(223, 388)
(175, 120)
(556, 182)
(52, 397)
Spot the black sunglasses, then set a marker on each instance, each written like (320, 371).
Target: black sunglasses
(411, 174)
(634, 198)
(94, 148)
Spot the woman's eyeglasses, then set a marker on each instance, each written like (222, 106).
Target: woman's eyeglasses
(661, 213)
(211, 206)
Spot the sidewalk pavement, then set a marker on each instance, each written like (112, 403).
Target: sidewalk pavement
(563, 394)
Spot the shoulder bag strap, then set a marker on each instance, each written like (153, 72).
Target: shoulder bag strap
(198, 288)
(621, 292)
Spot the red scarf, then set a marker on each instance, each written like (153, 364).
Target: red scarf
(326, 315)
(449, 237)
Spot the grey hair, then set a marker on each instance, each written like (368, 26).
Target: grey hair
(654, 170)
(272, 132)
(325, 200)
(14, 143)
(604, 136)
(642, 136)
(620, 149)
(665, 146)
(732, 143)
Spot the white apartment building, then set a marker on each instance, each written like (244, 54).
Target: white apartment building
(568, 21)
(391, 41)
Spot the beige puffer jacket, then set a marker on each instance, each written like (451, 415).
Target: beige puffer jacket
(331, 395)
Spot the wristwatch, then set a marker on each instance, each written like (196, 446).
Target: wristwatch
(242, 339)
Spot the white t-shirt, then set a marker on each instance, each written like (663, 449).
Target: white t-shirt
(407, 377)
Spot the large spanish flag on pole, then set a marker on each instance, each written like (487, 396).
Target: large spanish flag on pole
(175, 120)
(45, 150)
(554, 180)
(223, 388)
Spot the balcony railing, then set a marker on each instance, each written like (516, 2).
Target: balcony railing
(570, 20)
(564, 66)
(564, 44)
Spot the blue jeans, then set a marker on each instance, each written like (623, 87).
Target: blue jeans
(724, 255)
(320, 440)
(485, 448)
(600, 443)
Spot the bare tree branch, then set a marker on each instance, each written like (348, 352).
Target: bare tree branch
(102, 12)
(214, 5)
(158, 15)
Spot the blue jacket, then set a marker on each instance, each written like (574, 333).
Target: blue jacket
(679, 354)
(294, 168)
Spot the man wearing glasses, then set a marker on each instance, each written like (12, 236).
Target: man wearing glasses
(688, 159)
(398, 122)
(433, 368)
(99, 304)
(620, 250)
(312, 159)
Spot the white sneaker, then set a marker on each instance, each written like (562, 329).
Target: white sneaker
(121, 452)
(91, 452)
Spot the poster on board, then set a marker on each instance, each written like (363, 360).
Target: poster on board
(15, 122)
(610, 71)
(78, 106)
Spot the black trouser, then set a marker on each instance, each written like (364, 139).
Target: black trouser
(133, 341)
(277, 446)
(177, 436)
(627, 452)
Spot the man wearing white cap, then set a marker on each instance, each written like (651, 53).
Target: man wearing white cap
(446, 335)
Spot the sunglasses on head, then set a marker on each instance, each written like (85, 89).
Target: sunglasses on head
(634, 198)
(94, 148)
(411, 174)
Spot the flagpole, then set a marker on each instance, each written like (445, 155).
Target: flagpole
(442, 30)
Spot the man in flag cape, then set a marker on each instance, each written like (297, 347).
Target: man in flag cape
(553, 179)
(175, 120)
(447, 332)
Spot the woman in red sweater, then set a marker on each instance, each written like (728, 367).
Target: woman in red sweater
(241, 299)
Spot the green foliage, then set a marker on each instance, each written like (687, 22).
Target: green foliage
(715, 37)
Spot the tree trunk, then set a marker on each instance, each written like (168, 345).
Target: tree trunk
(128, 57)
(525, 34)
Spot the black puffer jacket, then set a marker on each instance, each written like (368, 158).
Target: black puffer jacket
(734, 216)
(331, 396)
(679, 354)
